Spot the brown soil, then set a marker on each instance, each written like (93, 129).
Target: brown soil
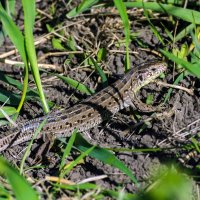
(100, 28)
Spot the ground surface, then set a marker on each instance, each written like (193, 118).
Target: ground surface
(100, 28)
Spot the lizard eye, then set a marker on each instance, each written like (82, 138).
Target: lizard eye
(153, 70)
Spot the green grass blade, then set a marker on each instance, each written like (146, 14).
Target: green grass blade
(10, 10)
(21, 188)
(30, 94)
(11, 81)
(178, 79)
(76, 161)
(18, 85)
(195, 41)
(12, 98)
(101, 73)
(18, 40)
(167, 31)
(122, 11)
(101, 54)
(188, 15)
(4, 194)
(85, 5)
(103, 155)
(29, 18)
(119, 195)
(13, 32)
(81, 186)
(8, 110)
(92, 186)
(3, 122)
(75, 84)
(10, 7)
(153, 28)
(184, 32)
(165, 188)
(68, 149)
(25, 86)
(192, 68)
(27, 152)
(9, 97)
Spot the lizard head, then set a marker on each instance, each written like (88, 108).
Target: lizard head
(149, 72)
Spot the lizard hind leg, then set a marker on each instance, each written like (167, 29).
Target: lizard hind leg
(48, 141)
(143, 107)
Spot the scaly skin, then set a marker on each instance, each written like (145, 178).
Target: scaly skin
(89, 113)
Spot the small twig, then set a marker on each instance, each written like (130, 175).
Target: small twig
(14, 51)
(45, 14)
(58, 180)
(7, 116)
(59, 54)
(122, 51)
(191, 132)
(96, 178)
(189, 91)
(189, 125)
(41, 65)
(152, 51)
(40, 40)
